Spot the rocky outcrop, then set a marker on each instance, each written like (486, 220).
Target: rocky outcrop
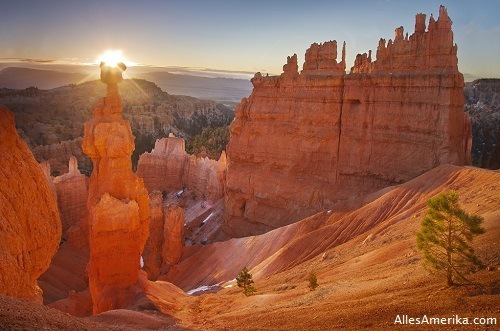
(72, 194)
(165, 244)
(30, 228)
(152, 254)
(168, 167)
(58, 154)
(118, 206)
(163, 168)
(303, 141)
(173, 234)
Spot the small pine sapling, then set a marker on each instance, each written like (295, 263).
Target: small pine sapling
(313, 281)
(245, 281)
(446, 238)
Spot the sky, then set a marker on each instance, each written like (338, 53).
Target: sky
(234, 35)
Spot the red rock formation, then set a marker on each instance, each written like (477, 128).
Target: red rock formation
(166, 240)
(173, 234)
(152, 254)
(118, 206)
(206, 177)
(168, 167)
(163, 168)
(30, 228)
(72, 194)
(302, 142)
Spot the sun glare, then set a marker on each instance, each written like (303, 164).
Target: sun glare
(111, 58)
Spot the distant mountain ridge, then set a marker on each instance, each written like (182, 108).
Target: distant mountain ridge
(218, 88)
(230, 90)
(20, 78)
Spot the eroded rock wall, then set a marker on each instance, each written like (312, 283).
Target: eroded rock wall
(165, 244)
(30, 227)
(303, 141)
(168, 167)
(58, 154)
(152, 254)
(173, 234)
(72, 194)
(163, 168)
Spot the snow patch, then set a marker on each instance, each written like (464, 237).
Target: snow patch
(141, 261)
(207, 218)
(202, 288)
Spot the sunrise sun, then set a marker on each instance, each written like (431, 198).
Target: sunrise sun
(112, 58)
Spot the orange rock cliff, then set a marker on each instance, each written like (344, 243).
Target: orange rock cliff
(303, 141)
(118, 206)
(29, 219)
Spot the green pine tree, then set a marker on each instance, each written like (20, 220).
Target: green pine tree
(245, 280)
(446, 237)
(313, 281)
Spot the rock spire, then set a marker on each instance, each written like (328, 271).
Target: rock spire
(118, 203)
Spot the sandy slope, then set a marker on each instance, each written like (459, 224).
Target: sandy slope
(289, 246)
(362, 285)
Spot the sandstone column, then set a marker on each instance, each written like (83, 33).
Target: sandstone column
(118, 203)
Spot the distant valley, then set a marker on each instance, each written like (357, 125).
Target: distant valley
(51, 121)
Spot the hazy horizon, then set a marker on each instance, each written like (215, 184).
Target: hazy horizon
(229, 38)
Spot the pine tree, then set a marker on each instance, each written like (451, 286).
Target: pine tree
(245, 280)
(313, 281)
(446, 237)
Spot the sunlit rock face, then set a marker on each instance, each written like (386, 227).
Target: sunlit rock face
(30, 227)
(118, 206)
(163, 168)
(168, 167)
(303, 141)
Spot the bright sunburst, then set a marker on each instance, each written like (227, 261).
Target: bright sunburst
(111, 58)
